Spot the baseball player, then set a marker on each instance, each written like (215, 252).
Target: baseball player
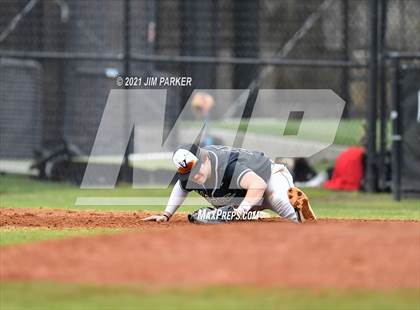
(236, 181)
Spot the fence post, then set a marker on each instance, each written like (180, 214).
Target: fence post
(345, 80)
(151, 33)
(382, 94)
(371, 171)
(126, 172)
(396, 131)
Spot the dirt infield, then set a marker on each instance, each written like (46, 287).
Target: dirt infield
(56, 218)
(330, 254)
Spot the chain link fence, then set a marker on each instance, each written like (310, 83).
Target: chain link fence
(60, 58)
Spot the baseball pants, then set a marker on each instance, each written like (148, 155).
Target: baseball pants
(275, 196)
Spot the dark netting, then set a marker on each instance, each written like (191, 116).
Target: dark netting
(20, 108)
(402, 32)
(410, 108)
(81, 47)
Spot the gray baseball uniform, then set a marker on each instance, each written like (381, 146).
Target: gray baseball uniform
(229, 165)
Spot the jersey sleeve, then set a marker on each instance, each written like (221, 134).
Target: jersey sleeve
(183, 186)
(237, 173)
(177, 197)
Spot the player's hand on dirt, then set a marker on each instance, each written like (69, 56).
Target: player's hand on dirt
(156, 218)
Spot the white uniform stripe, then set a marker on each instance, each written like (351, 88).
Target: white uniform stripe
(285, 178)
(216, 177)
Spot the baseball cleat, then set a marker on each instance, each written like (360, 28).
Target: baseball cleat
(300, 202)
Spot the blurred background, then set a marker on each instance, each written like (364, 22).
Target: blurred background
(59, 59)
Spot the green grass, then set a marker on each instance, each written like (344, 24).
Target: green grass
(349, 132)
(69, 296)
(10, 236)
(24, 192)
(19, 191)
(356, 205)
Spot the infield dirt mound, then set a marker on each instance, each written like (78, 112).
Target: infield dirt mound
(337, 254)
